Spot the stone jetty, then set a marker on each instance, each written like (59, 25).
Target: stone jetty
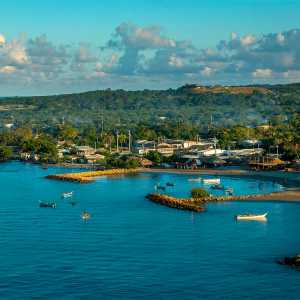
(183, 204)
(188, 204)
(85, 176)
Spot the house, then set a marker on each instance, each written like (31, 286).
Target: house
(263, 162)
(211, 161)
(84, 150)
(58, 143)
(15, 150)
(93, 159)
(24, 156)
(188, 162)
(208, 152)
(140, 151)
(9, 125)
(139, 143)
(174, 143)
(251, 142)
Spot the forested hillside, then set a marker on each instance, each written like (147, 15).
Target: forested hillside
(127, 109)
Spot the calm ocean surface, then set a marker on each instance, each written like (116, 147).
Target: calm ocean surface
(131, 248)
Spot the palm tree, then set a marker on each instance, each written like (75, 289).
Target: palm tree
(295, 143)
(122, 138)
(105, 137)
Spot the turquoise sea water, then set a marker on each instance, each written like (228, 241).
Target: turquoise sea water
(131, 248)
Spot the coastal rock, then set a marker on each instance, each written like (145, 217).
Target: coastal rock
(291, 261)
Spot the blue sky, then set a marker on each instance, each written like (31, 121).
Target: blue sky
(55, 47)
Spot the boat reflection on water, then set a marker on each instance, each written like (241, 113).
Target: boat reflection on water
(263, 220)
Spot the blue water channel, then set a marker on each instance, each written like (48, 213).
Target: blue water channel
(131, 248)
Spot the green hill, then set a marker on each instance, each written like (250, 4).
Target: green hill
(127, 109)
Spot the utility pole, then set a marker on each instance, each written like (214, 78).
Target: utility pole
(109, 144)
(215, 145)
(102, 123)
(63, 121)
(117, 141)
(129, 135)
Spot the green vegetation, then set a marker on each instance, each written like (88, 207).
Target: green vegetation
(5, 152)
(128, 109)
(77, 119)
(198, 192)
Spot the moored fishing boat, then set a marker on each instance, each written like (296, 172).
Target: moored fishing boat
(211, 180)
(195, 179)
(67, 195)
(218, 187)
(170, 184)
(158, 187)
(248, 217)
(43, 204)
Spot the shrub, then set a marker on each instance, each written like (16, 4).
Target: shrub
(198, 192)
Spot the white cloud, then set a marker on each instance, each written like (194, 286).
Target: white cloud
(260, 73)
(280, 38)
(233, 36)
(83, 55)
(248, 39)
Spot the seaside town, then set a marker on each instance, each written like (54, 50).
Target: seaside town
(163, 153)
(149, 150)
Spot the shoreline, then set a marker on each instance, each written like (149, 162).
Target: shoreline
(288, 180)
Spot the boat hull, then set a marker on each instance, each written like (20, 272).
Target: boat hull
(250, 217)
(211, 180)
(42, 204)
(196, 179)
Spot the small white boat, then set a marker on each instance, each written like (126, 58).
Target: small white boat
(67, 195)
(211, 180)
(195, 179)
(218, 187)
(170, 184)
(248, 217)
(229, 191)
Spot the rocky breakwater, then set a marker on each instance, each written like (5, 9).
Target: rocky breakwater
(85, 176)
(188, 204)
(183, 204)
(291, 261)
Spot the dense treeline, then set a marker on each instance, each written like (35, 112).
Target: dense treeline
(121, 109)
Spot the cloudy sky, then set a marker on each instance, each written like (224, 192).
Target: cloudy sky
(60, 46)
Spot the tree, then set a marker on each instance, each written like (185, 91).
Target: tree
(239, 144)
(122, 138)
(198, 192)
(154, 156)
(5, 152)
(66, 132)
(65, 158)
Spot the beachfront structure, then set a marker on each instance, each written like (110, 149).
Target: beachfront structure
(189, 162)
(93, 159)
(263, 162)
(84, 150)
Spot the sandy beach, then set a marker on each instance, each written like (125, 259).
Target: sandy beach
(290, 181)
